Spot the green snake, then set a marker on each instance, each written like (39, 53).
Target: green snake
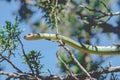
(101, 50)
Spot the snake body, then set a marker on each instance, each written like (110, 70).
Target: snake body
(101, 50)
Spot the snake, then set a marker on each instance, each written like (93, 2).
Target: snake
(82, 47)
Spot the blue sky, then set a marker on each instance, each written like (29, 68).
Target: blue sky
(47, 48)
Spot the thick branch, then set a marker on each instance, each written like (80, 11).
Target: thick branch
(96, 74)
(108, 70)
(83, 76)
(18, 75)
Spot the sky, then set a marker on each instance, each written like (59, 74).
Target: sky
(47, 48)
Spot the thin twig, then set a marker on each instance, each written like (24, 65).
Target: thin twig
(70, 72)
(27, 59)
(75, 60)
(56, 20)
(105, 5)
(102, 12)
(11, 63)
(107, 10)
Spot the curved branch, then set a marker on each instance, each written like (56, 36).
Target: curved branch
(102, 50)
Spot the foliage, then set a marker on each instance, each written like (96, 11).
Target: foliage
(51, 8)
(34, 58)
(9, 34)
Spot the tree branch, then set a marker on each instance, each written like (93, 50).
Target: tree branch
(74, 59)
(27, 59)
(94, 74)
(66, 66)
(11, 63)
(18, 75)
(102, 12)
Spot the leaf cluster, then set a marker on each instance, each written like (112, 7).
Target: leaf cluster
(51, 8)
(33, 60)
(8, 35)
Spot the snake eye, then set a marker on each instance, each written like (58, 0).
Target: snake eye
(30, 34)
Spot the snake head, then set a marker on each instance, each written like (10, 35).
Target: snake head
(33, 36)
(29, 36)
